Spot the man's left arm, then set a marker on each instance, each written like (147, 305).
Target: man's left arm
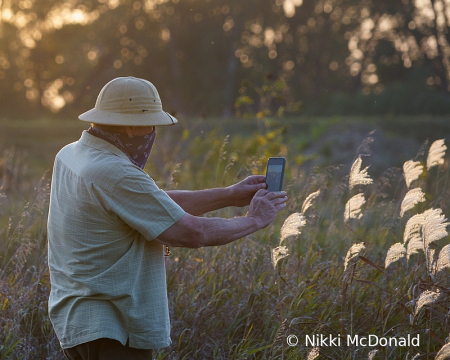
(202, 201)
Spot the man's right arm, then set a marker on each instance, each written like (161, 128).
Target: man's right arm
(194, 232)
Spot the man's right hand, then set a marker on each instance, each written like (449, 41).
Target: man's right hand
(265, 205)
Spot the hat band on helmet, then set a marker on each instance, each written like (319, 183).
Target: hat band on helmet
(134, 105)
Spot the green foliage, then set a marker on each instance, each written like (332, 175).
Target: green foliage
(269, 99)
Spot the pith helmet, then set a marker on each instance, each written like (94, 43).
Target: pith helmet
(128, 101)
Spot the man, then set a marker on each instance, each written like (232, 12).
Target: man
(109, 223)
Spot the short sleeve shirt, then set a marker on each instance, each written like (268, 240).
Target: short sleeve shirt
(107, 272)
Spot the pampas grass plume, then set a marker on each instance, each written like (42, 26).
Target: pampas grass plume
(278, 253)
(410, 200)
(358, 176)
(443, 261)
(314, 353)
(436, 153)
(434, 227)
(292, 225)
(353, 252)
(411, 171)
(395, 252)
(308, 201)
(415, 244)
(413, 226)
(426, 298)
(353, 207)
(444, 353)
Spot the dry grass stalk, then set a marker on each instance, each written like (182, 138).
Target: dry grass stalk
(291, 226)
(444, 353)
(308, 201)
(410, 200)
(353, 252)
(426, 298)
(411, 171)
(395, 253)
(278, 253)
(436, 153)
(314, 353)
(358, 176)
(431, 260)
(353, 207)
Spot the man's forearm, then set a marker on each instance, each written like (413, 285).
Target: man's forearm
(202, 201)
(194, 231)
(219, 231)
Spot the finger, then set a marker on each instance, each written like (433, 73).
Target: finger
(262, 185)
(262, 193)
(281, 200)
(281, 206)
(276, 194)
(260, 178)
(278, 201)
(256, 179)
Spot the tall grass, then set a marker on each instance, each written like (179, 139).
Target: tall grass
(236, 302)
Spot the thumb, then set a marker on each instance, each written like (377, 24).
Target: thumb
(260, 186)
(261, 193)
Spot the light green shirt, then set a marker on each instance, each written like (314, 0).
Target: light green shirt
(107, 275)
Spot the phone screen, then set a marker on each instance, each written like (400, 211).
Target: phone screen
(274, 177)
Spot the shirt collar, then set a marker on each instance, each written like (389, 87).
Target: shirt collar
(100, 144)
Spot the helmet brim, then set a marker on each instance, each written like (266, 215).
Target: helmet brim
(119, 119)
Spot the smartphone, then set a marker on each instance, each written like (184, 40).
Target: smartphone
(275, 173)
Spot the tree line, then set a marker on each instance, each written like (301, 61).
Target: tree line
(227, 57)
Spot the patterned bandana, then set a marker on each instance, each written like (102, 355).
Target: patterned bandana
(137, 148)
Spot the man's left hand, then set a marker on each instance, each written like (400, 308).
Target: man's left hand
(242, 192)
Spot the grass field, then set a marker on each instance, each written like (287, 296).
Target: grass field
(237, 301)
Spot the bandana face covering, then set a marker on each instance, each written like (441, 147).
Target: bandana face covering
(137, 148)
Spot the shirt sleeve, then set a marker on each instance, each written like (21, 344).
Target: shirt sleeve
(139, 202)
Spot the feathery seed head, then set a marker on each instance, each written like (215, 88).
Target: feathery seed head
(434, 227)
(308, 201)
(413, 227)
(314, 353)
(411, 171)
(353, 252)
(395, 252)
(443, 261)
(410, 200)
(358, 176)
(415, 244)
(444, 353)
(426, 298)
(292, 225)
(436, 153)
(353, 207)
(278, 253)
(372, 354)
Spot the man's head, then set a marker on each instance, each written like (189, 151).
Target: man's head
(129, 102)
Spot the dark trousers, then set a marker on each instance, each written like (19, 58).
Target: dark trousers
(106, 349)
